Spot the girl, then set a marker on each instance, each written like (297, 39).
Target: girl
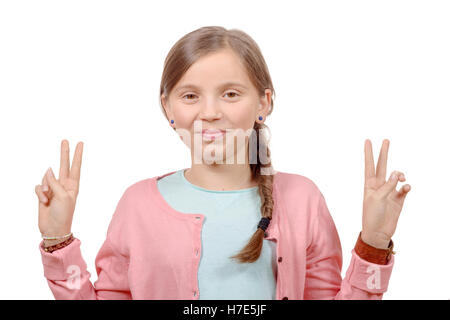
(224, 228)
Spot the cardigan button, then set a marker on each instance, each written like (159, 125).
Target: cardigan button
(285, 298)
(280, 259)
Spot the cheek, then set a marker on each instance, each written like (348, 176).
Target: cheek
(184, 117)
(242, 117)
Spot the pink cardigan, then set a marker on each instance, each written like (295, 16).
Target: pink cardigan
(152, 251)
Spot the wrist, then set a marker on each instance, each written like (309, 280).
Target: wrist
(52, 242)
(375, 241)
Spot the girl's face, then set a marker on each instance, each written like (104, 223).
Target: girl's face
(217, 94)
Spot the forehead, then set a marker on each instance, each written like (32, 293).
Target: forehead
(215, 70)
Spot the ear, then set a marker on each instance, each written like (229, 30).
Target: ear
(166, 106)
(265, 103)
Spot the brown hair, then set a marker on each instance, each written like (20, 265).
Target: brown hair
(186, 52)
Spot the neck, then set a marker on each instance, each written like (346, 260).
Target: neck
(221, 176)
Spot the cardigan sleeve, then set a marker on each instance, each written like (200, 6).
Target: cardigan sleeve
(363, 280)
(67, 275)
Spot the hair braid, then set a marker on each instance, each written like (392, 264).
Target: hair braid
(252, 251)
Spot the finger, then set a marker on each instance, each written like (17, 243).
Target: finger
(45, 186)
(54, 184)
(40, 194)
(76, 163)
(382, 160)
(64, 161)
(400, 176)
(368, 156)
(401, 195)
(404, 190)
(389, 185)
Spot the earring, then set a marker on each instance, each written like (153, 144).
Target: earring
(260, 118)
(171, 121)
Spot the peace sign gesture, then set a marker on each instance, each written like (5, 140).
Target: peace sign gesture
(382, 202)
(57, 197)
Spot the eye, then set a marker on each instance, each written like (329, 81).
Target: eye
(236, 94)
(189, 94)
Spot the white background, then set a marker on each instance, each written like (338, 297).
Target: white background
(343, 71)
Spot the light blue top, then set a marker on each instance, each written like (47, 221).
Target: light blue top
(231, 218)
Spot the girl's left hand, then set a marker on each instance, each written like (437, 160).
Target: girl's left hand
(382, 202)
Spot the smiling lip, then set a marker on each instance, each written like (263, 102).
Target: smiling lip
(212, 134)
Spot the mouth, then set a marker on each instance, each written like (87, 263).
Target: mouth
(213, 134)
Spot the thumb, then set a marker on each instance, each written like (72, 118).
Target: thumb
(54, 184)
(389, 185)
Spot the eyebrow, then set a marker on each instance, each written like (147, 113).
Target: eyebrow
(223, 85)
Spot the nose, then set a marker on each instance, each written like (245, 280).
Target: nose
(210, 110)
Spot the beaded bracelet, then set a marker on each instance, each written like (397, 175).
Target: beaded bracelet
(60, 245)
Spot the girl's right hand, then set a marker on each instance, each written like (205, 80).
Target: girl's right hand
(57, 197)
